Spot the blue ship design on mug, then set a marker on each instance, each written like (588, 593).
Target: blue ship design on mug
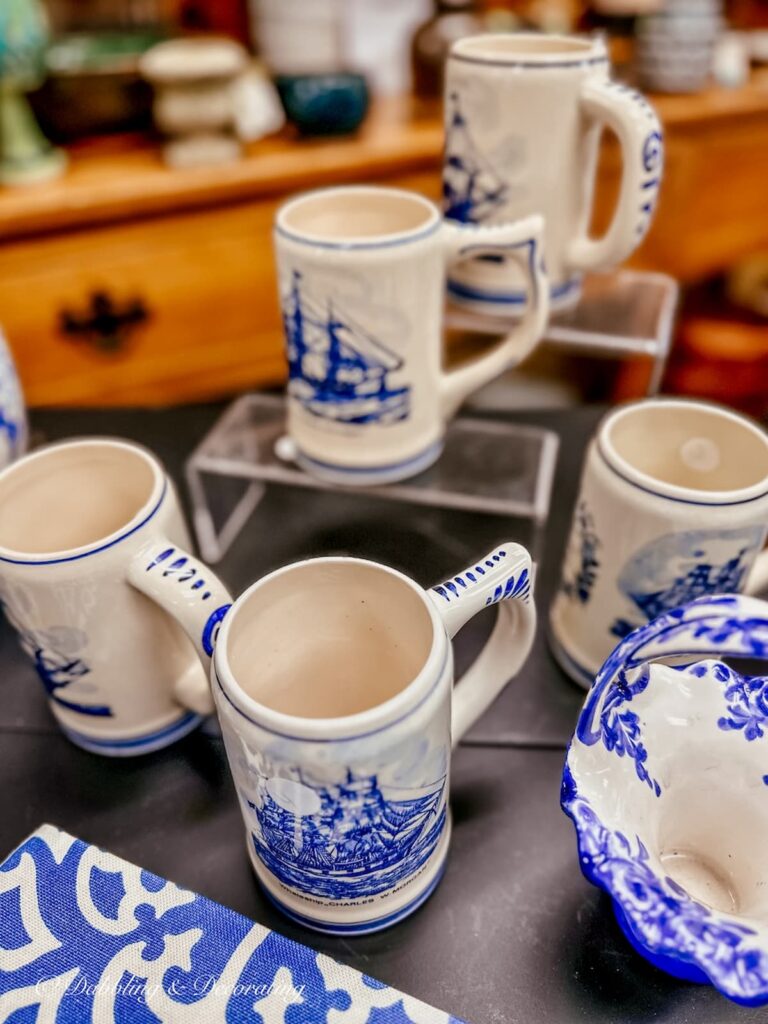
(337, 369)
(347, 840)
(679, 567)
(472, 189)
(578, 587)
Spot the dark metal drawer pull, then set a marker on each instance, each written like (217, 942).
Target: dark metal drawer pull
(105, 325)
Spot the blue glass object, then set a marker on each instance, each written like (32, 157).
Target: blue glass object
(324, 104)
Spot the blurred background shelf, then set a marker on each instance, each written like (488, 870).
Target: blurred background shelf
(155, 285)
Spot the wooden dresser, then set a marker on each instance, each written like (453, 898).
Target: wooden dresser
(129, 283)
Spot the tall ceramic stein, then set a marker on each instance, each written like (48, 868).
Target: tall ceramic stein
(673, 506)
(523, 117)
(362, 285)
(96, 579)
(333, 681)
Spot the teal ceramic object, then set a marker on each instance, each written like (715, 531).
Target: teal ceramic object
(26, 156)
(333, 104)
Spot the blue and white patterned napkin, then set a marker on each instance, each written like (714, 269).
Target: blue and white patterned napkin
(87, 938)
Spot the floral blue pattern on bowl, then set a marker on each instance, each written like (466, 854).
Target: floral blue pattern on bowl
(666, 782)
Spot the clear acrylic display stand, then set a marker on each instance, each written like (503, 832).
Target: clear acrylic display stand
(620, 314)
(487, 465)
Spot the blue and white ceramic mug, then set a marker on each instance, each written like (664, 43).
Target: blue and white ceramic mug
(362, 281)
(523, 118)
(333, 681)
(96, 580)
(673, 506)
(13, 416)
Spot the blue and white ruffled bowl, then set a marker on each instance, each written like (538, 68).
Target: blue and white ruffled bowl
(666, 781)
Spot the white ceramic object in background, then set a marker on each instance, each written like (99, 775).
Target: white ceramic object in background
(673, 505)
(666, 782)
(89, 531)
(333, 681)
(195, 100)
(675, 48)
(523, 117)
(362, 275)
(13, 415)
(300, 37)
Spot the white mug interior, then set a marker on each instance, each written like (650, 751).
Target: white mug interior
(530, 47)
(687, 446)
(356, 214)
(328, 638)
(75, 496)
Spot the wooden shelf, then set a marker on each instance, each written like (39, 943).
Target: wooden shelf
(195, 245)
(126, 178)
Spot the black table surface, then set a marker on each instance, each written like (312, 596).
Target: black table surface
(513, 933)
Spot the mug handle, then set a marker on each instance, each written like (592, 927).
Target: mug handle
(641, 138)
(521, 241)
(503, 577)
(191, 594)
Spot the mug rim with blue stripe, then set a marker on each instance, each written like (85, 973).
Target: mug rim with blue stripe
(333, 680)
(619, 461)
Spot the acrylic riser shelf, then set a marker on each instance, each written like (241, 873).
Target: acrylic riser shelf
(488, 466)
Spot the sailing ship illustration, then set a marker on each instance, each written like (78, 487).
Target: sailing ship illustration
(337, 369)
(357, 844)
(57, 669)
(702, 578)
(472, 190)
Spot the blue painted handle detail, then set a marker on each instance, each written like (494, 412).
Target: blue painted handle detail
(182, 586)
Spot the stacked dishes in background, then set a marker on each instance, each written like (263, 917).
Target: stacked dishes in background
(675, 47)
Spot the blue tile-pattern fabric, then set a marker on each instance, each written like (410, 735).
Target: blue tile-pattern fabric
(87, 938)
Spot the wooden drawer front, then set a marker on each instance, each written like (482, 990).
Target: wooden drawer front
(206, 281)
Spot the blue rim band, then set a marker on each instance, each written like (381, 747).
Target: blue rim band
(669, 497)
(93, 551)
(530, 65)
(390, 243)
(427, 454)
(137, 744)
(466, 291)
(363, 926)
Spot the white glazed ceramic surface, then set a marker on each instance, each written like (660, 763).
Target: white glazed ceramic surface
(362, 278)
(333, 681)
(13, 416)
(666, 781)
(95, 578)
(523, 116)
(673, 505)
